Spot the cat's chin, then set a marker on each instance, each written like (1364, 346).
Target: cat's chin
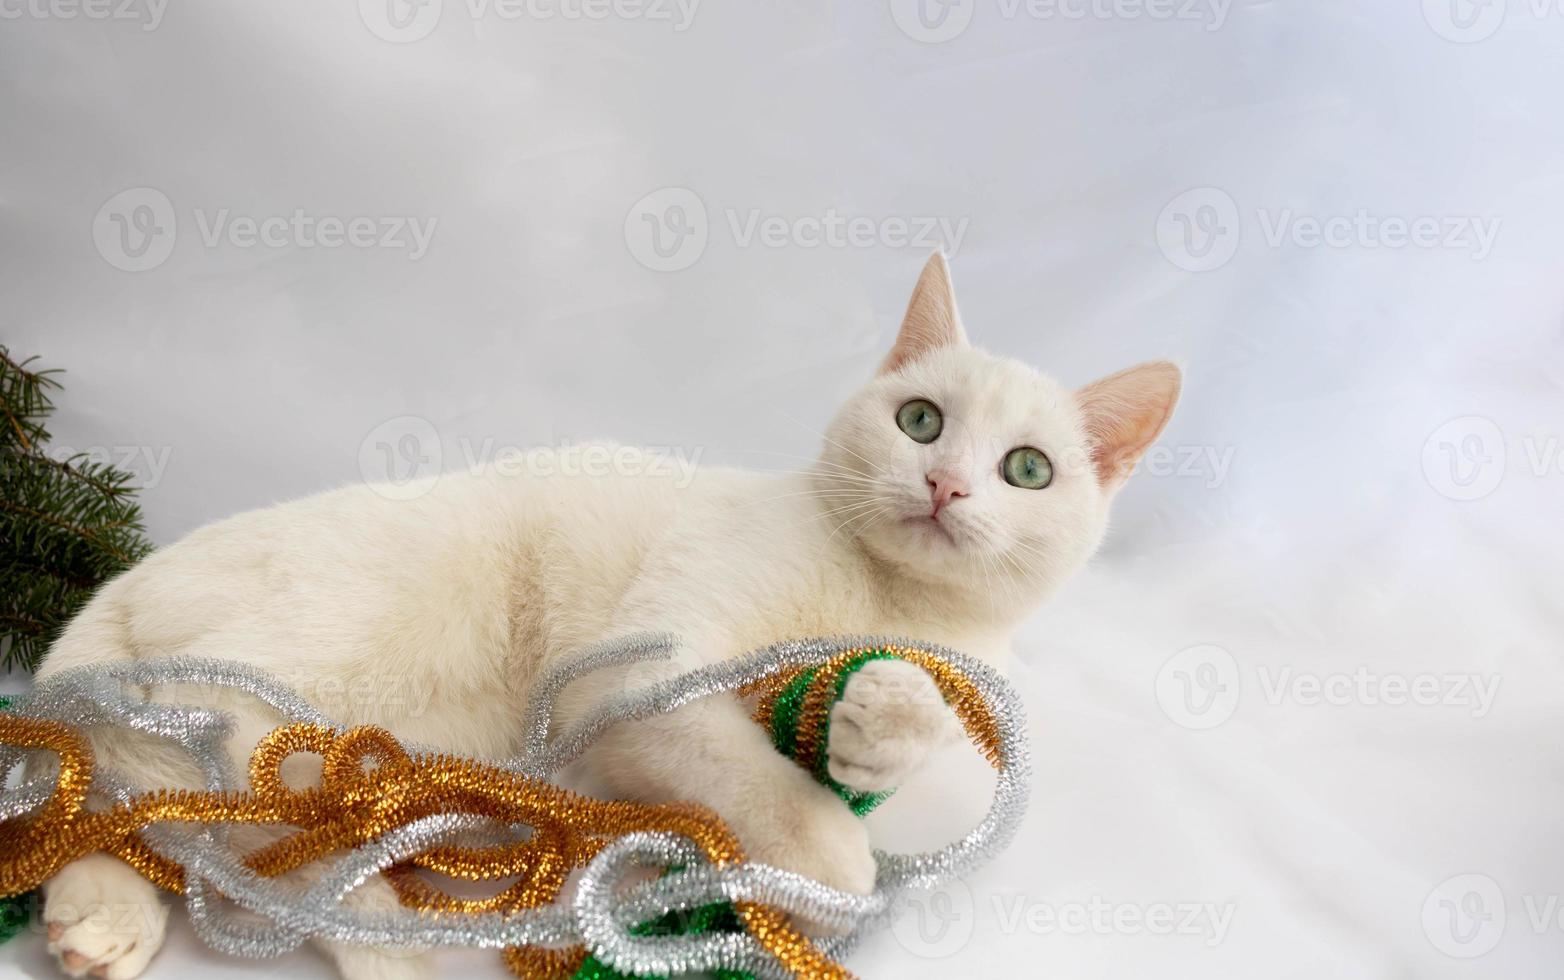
(925, 549)
(926, 530)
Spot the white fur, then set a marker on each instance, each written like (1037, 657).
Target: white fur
(433, 615)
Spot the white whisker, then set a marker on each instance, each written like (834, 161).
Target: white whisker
(848, 507)
(817, 461)
(833, 442)
(871, 514)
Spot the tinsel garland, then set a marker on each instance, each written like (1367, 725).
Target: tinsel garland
(419, 810)
(13, 909)
(789, 699)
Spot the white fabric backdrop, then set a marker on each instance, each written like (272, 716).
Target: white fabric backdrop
(1341, 216)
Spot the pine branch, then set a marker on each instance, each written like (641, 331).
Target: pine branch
(25, 399)
(67, 525)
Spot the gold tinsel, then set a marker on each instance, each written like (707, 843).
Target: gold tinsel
(356, 802)
(353, 805)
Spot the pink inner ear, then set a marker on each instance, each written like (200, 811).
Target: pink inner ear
(1125, 413)
(931, 321)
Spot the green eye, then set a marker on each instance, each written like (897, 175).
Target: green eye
(1027, 468)
(921, 420)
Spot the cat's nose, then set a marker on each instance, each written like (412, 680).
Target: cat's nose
(943, 488)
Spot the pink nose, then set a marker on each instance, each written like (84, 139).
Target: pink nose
(943, 488)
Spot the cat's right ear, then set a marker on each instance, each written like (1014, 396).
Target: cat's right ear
(932, 320)
(1124, 414)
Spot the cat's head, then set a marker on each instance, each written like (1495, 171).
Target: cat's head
(965, 468)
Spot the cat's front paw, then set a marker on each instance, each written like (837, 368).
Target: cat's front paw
(812, 833)
(890, 717)
(103, 918)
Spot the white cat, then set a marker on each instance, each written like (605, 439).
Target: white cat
(954, 492)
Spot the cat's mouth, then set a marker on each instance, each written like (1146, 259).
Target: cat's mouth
(930, 527)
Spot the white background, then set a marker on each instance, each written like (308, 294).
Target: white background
(1389, 417)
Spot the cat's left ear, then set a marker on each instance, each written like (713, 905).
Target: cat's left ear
(1124, 415)
(931, 321)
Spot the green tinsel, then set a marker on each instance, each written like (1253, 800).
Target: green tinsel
(784, 735)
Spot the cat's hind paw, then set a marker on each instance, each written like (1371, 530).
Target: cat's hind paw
(103, 919)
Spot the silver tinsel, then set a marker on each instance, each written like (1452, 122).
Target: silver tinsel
(264, 917)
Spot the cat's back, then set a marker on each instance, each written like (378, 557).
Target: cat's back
(448, 553)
